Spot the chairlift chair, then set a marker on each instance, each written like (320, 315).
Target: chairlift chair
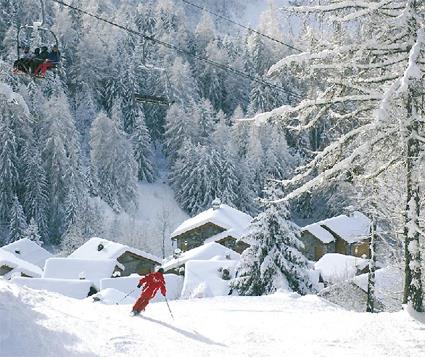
(28, 30)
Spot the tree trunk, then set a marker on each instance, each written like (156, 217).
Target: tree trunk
(413, 291)
(372, 268)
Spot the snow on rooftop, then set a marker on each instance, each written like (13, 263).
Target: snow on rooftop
(29, 251)
(351, 228)
(204, 279)
(91, 270)
(207, 251)
(225, 216)
(77, 289)
(319, 232)
(388, 285)
(336, 267)
(98, 249)
(18, 265)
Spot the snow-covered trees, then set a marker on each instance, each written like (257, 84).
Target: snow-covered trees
(32, 233)
(274, 260)
(372, 70)
(18, 221)
(114, 168)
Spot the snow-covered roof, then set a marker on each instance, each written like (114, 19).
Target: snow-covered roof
(110, 250)
(18, 265)
(29, 251)
(203, 278)
(352, 228)
(388, 285)
(209, 251)
(319, 232)
(225, 216)
(336, 267)
(77, 289)
(91, 270)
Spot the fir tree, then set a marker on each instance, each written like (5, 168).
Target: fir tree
(32, 233)
(274, 260)
(114, 168)
(142, 149)
(18, 222)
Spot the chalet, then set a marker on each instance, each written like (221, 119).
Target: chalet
(347, 235)
(127, 260)
(221, 224)
(28, 251)
(11, 266)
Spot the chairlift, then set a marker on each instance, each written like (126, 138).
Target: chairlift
(25, 32)
(152, 99)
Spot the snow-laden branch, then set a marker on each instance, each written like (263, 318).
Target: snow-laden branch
(12, 97)
(353, 4)
(337, 51)
(413, 71)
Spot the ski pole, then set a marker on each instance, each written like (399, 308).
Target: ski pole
(132, 291)
(169, 307)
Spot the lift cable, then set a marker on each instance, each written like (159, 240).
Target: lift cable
(183, 51)
(240, 25)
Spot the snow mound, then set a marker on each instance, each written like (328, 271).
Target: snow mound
(205, 278)
(77, 289)
(22, 333)
(336, 267)
(112, 296)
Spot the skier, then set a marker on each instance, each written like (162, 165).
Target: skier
(151, 284)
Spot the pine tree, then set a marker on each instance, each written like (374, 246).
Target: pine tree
(142, 149)
(18, 222)
(274, 260)
(114, 168)
(32, 233)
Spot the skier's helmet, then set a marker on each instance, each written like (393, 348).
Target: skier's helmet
(161, 270)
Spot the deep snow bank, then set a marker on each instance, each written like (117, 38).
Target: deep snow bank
(21, 331)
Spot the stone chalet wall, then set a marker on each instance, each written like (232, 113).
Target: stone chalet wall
(135, 264)
(197, 236)
(314, 245)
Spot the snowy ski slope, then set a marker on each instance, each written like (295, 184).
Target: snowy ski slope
(37, 323)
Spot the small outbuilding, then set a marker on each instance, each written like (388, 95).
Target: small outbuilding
(221, 224)
(128, 260)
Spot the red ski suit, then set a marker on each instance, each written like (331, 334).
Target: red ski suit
(151, 284)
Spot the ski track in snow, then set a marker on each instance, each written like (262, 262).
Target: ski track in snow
(278, 325)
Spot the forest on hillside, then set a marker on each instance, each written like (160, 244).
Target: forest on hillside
(332, 108)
